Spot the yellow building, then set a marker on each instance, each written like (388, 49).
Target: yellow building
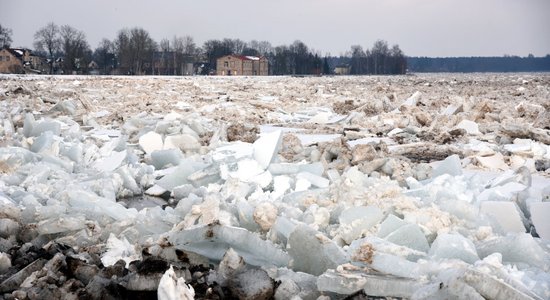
(240, 65)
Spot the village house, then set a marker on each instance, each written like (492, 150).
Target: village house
(242, 65)
(15, 60)
(342, 70)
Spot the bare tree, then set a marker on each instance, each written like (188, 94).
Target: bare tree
(186, 52)
(104, 56)
(135, 49)
(262, 47)
(380, 53)
(46, 39)
(165, 60)
(164, 45)
(123, 51)
(189, 46)
(75, 48)
(5, 37)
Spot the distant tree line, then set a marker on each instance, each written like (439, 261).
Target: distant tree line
(480, 64)
(134, 51)
(380, 59)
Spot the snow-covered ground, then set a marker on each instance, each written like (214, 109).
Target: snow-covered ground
(424, 187)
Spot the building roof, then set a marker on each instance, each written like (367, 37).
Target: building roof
(244, 57)
(17, 52)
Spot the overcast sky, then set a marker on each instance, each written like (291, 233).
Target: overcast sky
(420, 27)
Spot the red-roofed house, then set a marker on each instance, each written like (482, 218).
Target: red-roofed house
(18, 60)
(241, 65)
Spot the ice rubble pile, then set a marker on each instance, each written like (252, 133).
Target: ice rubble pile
(274, 210)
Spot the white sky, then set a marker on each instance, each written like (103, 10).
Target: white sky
(420, 27)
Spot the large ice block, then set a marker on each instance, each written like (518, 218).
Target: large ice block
(179, 175)
(266, 147)
(450, 165)
(493, 162)
(377, 285)
(163, 158)
(312, 252)
(453, 245)
(212, 241)
(111, 162)
(411, 236)
(540, 215)
(357, 220)
(151, 141)
(505, 216)
(520, 249)
(390, 224)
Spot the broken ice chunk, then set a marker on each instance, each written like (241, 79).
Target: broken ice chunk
(356, 220)
(179, 175)
(540, 215)
(312, 252)
(449, 245)
(155, 190)
(363, 253)
(413, 99)
(453, 109)
(128, 179)
(493, 162)
(45, 143)
(118, 249)
(111, 162)
(61, 224)
(315, 180)
(471, 127)
(205, 176)
(375, 285)
(504, 192)
(94, 206)
(172, 287)
(390, 224)
(266, 147)
(321, 118)
(282, 228)
(151, 141)
(504, 215)
(184, 142)
(520, 249)
(450, 165)
(411, 236)
(492, 288)
(161, 159)
(212, 241)
(34, 128)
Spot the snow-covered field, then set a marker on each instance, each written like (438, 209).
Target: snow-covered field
(423, 187)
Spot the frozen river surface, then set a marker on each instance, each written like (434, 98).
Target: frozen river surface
(417, 187)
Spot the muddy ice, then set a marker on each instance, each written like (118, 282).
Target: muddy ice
(415, 187)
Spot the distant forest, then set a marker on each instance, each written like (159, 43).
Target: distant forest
(479, 64)
(462, 64)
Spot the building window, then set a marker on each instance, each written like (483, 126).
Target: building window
(7, 58)
(226, 64)
(1, 58)
(232, 64)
